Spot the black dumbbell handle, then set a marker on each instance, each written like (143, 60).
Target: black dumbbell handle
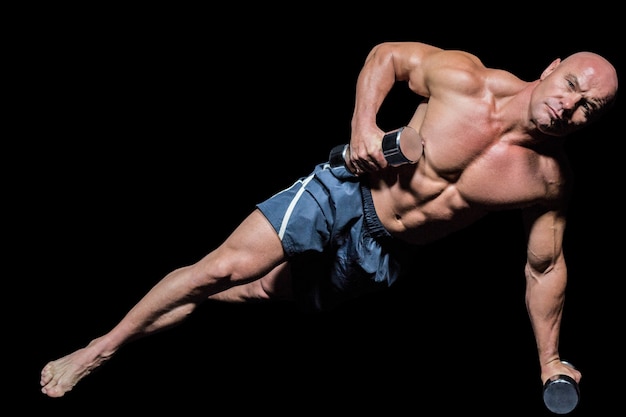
(392, 145)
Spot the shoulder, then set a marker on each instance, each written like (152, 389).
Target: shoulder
(465, 73)
(457, 59)
(453, 70)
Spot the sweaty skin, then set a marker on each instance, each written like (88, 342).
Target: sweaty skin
(491, 142)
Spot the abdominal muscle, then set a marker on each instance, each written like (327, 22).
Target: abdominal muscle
(424, 210)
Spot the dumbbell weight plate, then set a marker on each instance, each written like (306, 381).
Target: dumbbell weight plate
(561, 394)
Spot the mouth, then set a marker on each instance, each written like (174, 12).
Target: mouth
(553, 113)
(555, 119)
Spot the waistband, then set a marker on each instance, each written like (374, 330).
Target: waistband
(372, 223)
(375, 229)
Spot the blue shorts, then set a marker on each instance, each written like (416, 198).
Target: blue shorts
(336, 245)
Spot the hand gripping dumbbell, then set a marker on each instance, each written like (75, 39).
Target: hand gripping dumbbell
(561, 393)
(400, 146)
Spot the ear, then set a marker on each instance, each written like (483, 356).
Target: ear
(550, 68)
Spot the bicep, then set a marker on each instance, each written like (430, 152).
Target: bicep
(544, 233)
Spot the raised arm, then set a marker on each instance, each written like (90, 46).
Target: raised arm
(386, 64)
(427, 70)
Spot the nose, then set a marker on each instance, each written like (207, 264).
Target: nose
(570, 101)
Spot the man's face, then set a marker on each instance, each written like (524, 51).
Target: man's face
(571, 94)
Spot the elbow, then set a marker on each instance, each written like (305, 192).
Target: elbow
(547, 274)
(540, 266)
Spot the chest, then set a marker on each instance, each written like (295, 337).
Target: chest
(469, 150)
(455, 137)
(505, 175)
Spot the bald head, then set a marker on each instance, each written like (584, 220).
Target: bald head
(597, 73)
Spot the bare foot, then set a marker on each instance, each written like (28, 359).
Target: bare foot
(60, 376)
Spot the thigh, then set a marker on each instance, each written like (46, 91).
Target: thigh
(252, 251)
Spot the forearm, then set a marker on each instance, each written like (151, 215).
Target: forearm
(374, 82)
(545, 296)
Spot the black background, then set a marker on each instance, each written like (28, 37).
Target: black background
(146, 136)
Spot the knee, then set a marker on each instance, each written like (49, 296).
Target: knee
(277, 284)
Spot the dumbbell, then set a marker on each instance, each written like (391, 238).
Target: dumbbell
(400, 146)
(561, 393)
